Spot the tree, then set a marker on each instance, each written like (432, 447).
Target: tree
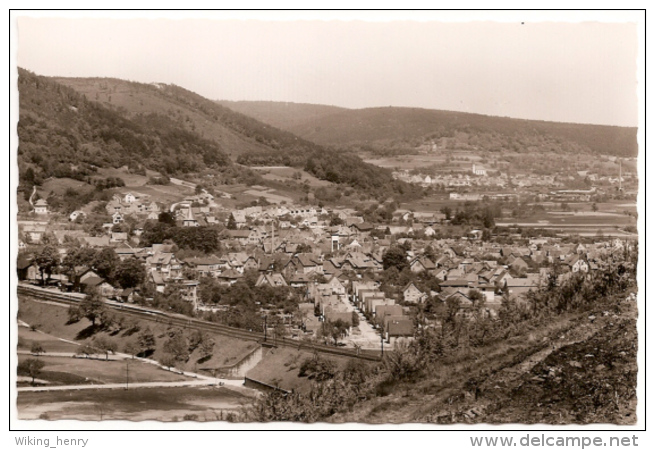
(594, 207)
(130, 273)
(74, 314)
(146, 340)
(92, 306)
(31, 367)
(86, 350)
(231, 223)
(105, 263)
(335, 330)
(168, 360)
(132, 347)
(476, 298)
(105, 345)
(76, 257)
(47, 260)
(447, 211)
(37, 348)
(395, 257)
(207, 347)
(167, 218)
(178, 346)
(355, 319)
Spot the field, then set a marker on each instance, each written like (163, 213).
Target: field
(609, 220)
(283, 173)
(171, 405)
(58, 186)
(66, 370)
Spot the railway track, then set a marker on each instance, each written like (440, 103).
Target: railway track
(192, 323)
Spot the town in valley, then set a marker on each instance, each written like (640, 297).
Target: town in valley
(187, 259)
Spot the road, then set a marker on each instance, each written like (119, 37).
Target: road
(152, 384)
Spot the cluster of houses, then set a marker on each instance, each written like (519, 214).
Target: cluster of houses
(335, 268)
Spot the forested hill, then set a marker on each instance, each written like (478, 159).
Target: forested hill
(68, 126)
(283, 115)
(63, 134)
(390, 126)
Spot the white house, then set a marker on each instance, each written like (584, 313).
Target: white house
(41, 207)
(477, 170)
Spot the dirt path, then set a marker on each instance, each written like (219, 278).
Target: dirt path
(151, 384)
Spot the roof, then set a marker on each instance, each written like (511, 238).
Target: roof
(522, 282)
(400, 327)
(204, 261)
(238, 234)
(409, 285)
(230, 274)
(93, 281)
(457, 282)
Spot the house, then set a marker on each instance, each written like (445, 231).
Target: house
(412, 294)
(517, 287)
(242, 237)
(399, 328)
(239, 218)
(305, 263)
(271, 279)
(103, 287)
(206, 266)
(164, 263)
(26, 270)
(118, 237)
(382, 312)
(189, 219)
(99, 241)
(126, 295)
(158, 281)
(124, 253)
(422, 264)
(229, 277)
(189, 291)
(41, 206)
(34, 231)
(576, 264)
(457, 283)
(117, 217)
(299, 280)
(81, 274)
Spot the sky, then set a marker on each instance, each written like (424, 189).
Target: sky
(583, 72)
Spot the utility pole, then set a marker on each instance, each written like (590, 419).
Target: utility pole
(127, 374)
(382, 343)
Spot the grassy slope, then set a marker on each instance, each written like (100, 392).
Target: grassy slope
(279, 367)
(514, 382)
(235, 133)
(51, 319)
